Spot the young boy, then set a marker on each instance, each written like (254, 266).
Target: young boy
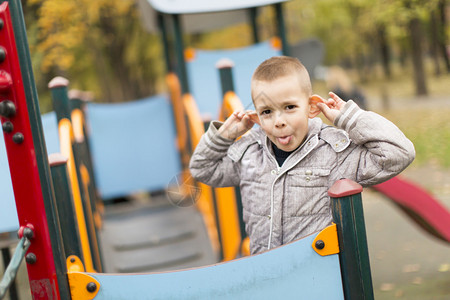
(286, 166)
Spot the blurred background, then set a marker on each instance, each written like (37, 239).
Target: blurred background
(395, 52)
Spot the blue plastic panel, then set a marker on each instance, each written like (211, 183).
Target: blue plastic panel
(8, 214)
(204, 77)
(293, 271)
(133, 146)
(51, 135)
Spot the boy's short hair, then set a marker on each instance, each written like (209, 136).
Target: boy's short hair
(280, 66)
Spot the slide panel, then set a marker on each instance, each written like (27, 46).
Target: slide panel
(133, 146)
(293, 271)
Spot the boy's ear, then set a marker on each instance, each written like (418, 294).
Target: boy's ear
(253, 116)
(314, 110)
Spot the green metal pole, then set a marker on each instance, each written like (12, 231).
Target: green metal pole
(179, 48)
(226, 76)
(354, 255)
(83, 155)
(65, 208)
(165, 42)
(281, 28)
(255, 32)
(79, 103)
(227, 84)
(60, 100)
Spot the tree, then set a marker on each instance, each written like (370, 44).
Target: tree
(98, 45)
(442, 34)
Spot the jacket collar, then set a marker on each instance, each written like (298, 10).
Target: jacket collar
(311, 140)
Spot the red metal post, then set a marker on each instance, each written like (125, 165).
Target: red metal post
(23, 165)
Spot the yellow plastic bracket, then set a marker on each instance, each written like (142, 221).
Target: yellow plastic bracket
(83, 286)
(326, 242)
(74, 264)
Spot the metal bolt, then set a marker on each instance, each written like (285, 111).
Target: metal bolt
(18, 138)
(2, 54)
(72, 260)
(1, 24)
(8, 126)
(7, 108)
(30, 258)
(28, 233)
(91, 287)
(320, 244)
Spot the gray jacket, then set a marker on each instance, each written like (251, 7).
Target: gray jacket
(284, 204)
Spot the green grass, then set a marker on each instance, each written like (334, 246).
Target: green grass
(429, 130)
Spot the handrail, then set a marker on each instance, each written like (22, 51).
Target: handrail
(87, 175)
(77, 125)
(83, 201)
(66, 138)
(226, 198)
(205, 202)
(231, 103)
(179, 115)
(236, 241)
(13, 267)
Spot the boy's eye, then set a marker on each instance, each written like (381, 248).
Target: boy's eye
(265, 112)
(290, 107)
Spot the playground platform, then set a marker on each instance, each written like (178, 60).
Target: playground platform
(146, 234)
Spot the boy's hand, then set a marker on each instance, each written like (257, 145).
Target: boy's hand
(237, 124)
(331, 107)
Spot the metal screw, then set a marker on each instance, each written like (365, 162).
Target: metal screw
(72, 260)
(8, 126)
(91, 287)
(18, 138)
(7, 108)
(320, 244)
(30, 258)
(28, 233)
(2, 54)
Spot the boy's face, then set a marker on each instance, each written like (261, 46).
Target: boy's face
(283, 109)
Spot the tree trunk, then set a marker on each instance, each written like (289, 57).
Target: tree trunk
(434, 42)
(417, 59)
(442, 39)
(384, 51)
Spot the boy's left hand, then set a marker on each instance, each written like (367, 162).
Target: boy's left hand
(331, 107)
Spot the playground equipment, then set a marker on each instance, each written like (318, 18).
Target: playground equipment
(60, 225)
(419, 205)
(53, 273)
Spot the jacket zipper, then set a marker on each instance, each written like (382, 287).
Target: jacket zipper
(273, 185)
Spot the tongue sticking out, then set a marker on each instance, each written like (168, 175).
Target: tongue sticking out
(284, 140)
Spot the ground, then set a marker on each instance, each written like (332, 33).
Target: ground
(407, 262)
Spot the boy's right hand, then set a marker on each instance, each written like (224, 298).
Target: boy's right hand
(237, 124)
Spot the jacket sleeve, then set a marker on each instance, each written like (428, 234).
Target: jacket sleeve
(210, 163)
(378, 150)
